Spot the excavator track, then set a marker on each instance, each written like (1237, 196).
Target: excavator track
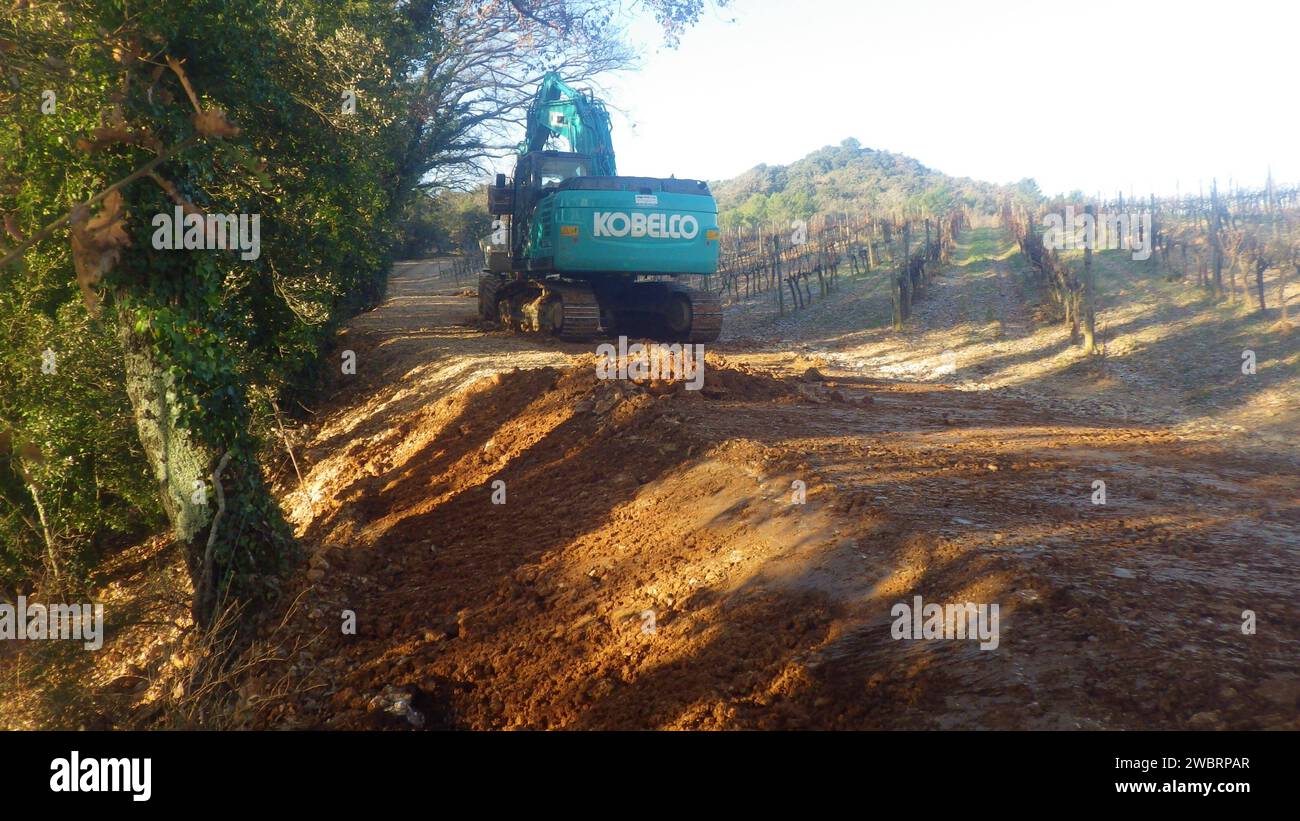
(706, 316)
(579, 316)
(664, 311)
(568, 310)
(689, 315)
(571, 310)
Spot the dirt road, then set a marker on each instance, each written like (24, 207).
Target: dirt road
(652, 563)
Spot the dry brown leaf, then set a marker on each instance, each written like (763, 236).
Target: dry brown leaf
(97, 243)
(103, 136)
(175, 66)
(212, 122)
(114, 129)
(108, 135)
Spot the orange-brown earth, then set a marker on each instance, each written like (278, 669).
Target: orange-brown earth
(650, 567)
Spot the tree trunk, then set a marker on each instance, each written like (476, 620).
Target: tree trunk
(1073, 295)
(237, 562)
(896, 292)
(776, 275)
(1216, 241)
(906, 274)
(177, 461)
(1089, 289)
(51, 547)
(1281, 287)
(1260, 266)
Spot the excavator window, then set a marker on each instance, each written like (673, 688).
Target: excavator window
(555, 170)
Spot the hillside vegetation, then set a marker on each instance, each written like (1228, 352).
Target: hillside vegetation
(850, 178)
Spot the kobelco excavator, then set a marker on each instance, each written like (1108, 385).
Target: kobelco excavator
(578, 251)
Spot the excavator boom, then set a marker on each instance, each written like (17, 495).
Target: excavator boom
(560, 110)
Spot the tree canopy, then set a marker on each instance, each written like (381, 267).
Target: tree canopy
(139, 382)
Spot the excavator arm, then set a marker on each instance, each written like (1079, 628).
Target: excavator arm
(560, 110)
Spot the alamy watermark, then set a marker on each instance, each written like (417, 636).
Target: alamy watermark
(30, 622)
(965, 620)
(656, 360)
(128, 775)
(195, 231)
(1107, 232)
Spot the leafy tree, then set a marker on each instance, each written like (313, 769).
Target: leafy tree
(754, 211)
(324, 120)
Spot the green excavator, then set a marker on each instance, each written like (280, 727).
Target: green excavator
(578, 251)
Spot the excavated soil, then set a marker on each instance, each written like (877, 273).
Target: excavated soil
(648, 561)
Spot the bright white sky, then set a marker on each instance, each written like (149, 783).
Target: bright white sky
(1101, 95)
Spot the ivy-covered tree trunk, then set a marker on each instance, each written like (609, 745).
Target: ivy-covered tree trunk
(180, 465)
(219, 507)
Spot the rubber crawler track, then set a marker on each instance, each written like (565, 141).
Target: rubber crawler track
(706, 316)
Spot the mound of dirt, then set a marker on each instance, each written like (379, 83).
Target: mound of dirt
(522, 417)
(550, 545)
(726, 380)
(546, 548)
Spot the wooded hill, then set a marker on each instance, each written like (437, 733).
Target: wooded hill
(848, 178)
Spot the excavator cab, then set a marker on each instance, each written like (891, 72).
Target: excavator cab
(553, 168)
(537, 175)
